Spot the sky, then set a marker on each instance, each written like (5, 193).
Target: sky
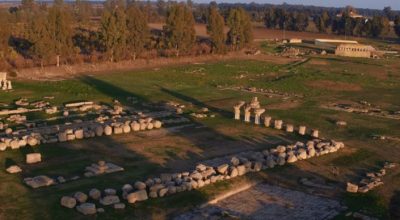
(374, 4)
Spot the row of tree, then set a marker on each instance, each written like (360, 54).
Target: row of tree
(344, 24)
(61, 33)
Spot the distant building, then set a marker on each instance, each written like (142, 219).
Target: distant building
(295, 41)
(333, 42)
(355, 50)
(352, 14)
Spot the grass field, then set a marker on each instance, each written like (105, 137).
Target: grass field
(321, 80)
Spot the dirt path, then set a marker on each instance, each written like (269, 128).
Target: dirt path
(53, 73)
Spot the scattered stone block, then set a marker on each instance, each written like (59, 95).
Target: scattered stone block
(14, 169)
(95, 194)
(68, 202)
(39, 181)
(109, 200)
(352, 188)
(80, 197)
(33, 158)
(140, 185)
(140, 195)
(87, 208)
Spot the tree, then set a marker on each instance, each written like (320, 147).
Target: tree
(387, 11)
(82, 11)
(161, 8)
(179, 29)
(269, 18)
(39, 37)
(113, 32)
(215, 28)
(301, 22)
(27, 4)
(59, 26)
(5, 34)
(397, 25)
(240, 30)
(379, 26)
(322, 22)
(137, 31)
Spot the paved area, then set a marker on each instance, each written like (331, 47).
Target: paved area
(265, 201)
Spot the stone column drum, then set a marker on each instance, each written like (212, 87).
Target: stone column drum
(315, 133)
(302, 130)
(267, 121)
(278, 124)
(289, 128)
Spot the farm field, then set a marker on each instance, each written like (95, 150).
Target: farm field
(309, 86)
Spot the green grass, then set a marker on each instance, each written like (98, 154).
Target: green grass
(196, 87)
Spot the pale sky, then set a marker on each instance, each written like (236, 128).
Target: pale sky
(375, 4)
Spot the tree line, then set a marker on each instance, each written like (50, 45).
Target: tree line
(343, 23)
(38, 34)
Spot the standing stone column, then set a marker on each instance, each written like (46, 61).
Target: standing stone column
(258, 112)
(278, 124)
(236, 109)
(267, 121)
(247, 113)
(302, 130)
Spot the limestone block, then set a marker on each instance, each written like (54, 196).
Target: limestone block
(222, 169)
(291, 159)
(241, 170)
(80, 197)
(140, 185)
(302, 130)
(235, 161)
(143, 126)
(110, 192)
(135, 126)
(14, 169)
(109, 200)
(32, 141)
(68, 202)
(126, 129)
(33, 158)
(137, 196)
(315, 134)
(3, 146)
(118, 130)
(352, 188)
(62, 137)
(99, 131)
(157, 124)
(233, 172)
(14, 144)
(87, 208)
(108, 130)
(162, 192)
(79, 134)
(289, 128)
(95, 194)
(278, 124)
(127, 188)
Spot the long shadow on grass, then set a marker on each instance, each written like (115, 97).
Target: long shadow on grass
(196, 102)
